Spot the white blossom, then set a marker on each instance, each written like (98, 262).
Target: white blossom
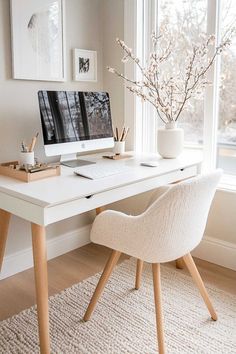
(165, 85)
(111, 70)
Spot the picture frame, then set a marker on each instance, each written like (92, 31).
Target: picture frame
(84, 65)
(38, 40)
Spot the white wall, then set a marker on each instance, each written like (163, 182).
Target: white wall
(19, 113)
(222, 218)
(219, 242)
(113, 27)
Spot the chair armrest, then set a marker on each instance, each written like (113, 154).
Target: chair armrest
(114, 229)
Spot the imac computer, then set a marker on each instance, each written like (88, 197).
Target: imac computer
(74, 122)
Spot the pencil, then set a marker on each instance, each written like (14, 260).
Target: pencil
(117, 134)
(122, 134)
(33, 142)
(126, 133)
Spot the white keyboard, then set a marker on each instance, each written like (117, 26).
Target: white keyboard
(100, 171)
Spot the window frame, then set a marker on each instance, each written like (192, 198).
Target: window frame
(141, 117)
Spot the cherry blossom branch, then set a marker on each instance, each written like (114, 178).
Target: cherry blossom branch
(167, 89)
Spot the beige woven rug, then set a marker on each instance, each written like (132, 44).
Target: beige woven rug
(124, 320)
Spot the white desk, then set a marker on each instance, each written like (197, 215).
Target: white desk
(57, 198)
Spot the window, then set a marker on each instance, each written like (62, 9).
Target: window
(211, 123)
(189, 17)
(226, 139)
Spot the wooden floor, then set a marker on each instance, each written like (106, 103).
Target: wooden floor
(17, 292)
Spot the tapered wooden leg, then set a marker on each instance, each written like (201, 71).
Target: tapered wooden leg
(99, 210)
(4, 225)
(198, 280)
(139, 270)
(41, 285)
(156, 272)
(179, 263)
(102, 283)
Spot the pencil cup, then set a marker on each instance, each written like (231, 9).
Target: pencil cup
(26, 158)
(119, 147)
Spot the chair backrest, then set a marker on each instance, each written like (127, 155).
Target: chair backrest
(176, 221)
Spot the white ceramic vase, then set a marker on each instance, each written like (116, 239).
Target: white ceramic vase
(170, 140)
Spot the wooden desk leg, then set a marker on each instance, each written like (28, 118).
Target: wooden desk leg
(179, 263)
(41, 285)
(4, 225)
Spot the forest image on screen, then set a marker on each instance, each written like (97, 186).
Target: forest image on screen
(69, 116)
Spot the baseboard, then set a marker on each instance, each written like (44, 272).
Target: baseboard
(217, 251)
(210, 249)
(22, 260)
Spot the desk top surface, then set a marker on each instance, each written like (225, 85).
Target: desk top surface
(68, 186)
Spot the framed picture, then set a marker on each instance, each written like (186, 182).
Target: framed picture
(85, 65)
(38, 39)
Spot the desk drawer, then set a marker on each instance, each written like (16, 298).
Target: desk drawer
(75, 207)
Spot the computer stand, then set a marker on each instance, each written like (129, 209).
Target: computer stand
(71, 160)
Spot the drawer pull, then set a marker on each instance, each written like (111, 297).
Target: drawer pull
(89, 196)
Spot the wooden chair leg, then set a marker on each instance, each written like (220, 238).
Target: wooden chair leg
(156, 272)
(179, 263)
(139, 270)
(41, 284)
(198, 280)
(4, 225)
(102, 283)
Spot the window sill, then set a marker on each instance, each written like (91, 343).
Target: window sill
(228, 182)
(193, 146)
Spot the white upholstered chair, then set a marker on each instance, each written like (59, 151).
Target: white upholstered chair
(170, 228)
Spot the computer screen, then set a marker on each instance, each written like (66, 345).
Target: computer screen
(69, 116)
(74, 121)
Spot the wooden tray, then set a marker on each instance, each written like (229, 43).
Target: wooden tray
(9, 169)
(117, 157)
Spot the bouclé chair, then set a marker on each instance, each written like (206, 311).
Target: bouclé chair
(170, 228)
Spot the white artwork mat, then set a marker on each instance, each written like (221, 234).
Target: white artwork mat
(37, 39)
(85, 65)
